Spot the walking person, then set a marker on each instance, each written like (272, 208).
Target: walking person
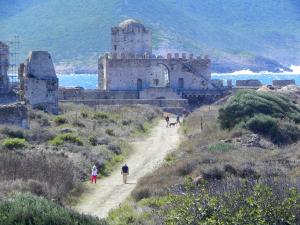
(94, 174)
(178, 120)
(125, 173)
(167, 120)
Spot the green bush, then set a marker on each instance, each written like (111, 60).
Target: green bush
(247, 104)
(258, 206)
(279, 132)
(263, 113)
(262, 124)
(61, 139)
(27, 209)
(110, 132)
(101, 116)
(93, 140)
(220, 147)
(14, 143)
(286, 133)
(84, 114)
(59, 120)
(13, 132)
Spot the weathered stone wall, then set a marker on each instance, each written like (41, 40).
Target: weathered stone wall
(127, 74)
(131, 38)
(248, 83)
(39, 82)
(158, 93)
(4, 64)
(155, 102)
(82, 94)
(282, 83)
(14, 114)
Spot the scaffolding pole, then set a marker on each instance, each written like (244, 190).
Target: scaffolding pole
(14, 49)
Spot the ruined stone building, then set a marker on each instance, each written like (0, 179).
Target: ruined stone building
(131, 66)
(39, 83)
(4, 65)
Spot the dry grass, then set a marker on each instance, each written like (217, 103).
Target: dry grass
(60, 150)
(205, 153)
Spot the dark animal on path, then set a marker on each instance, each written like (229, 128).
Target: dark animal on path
(173, 124)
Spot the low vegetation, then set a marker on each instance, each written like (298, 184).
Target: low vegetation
(13, 143)
(273, 116)
(28, 209)
(53, 157)
(66, 138)
(228, 172)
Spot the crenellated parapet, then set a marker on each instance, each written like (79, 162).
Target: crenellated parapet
(131, 66)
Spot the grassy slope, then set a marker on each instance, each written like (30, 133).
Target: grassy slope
(73, 30)
(68, 144)
(224, 166)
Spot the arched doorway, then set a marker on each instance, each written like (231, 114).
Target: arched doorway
(160, 76)
(139, 84)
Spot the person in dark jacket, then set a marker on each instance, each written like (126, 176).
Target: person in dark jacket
(167, 120)
(125, 173)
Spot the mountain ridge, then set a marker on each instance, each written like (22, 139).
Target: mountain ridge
(258, 35)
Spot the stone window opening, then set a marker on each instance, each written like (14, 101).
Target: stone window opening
(139, 84)
(115, 47)
(180, 83)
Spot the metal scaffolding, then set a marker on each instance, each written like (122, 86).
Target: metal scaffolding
(14, 48)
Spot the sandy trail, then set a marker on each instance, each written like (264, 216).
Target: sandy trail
(148, 154)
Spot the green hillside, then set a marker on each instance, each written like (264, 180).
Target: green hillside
(233, 32)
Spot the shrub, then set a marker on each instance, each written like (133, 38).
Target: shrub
(213, 174)
(247, 104)
(59, 120)
(110, 132)
(14, 143)
(286, 133)
(262, 124)
(84, 114)
(27, 209)
(61, 139)
(30, 169)
(141, 193)
(101, 116)
(220, 147)
(114, 148)
(93, 140)
(262, 113)
(258, 205)
(13, 132)
(279, 132)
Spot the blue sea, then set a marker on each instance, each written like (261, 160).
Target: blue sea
(90, 81)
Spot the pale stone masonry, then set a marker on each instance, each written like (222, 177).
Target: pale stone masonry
(14, 114)
(4, 65)
(39, 83)
(131, 38)
(131, 66)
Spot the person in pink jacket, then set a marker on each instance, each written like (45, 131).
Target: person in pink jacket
(94, 174)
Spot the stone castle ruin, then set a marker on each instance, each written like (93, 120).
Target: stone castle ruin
(38, 82)
(4, 65)
(129, 74)
(131, 66)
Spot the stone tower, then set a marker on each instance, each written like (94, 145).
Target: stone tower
(131, 40)
(4, 64)
(39, 83)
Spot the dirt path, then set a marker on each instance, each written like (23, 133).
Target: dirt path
(149, 153)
